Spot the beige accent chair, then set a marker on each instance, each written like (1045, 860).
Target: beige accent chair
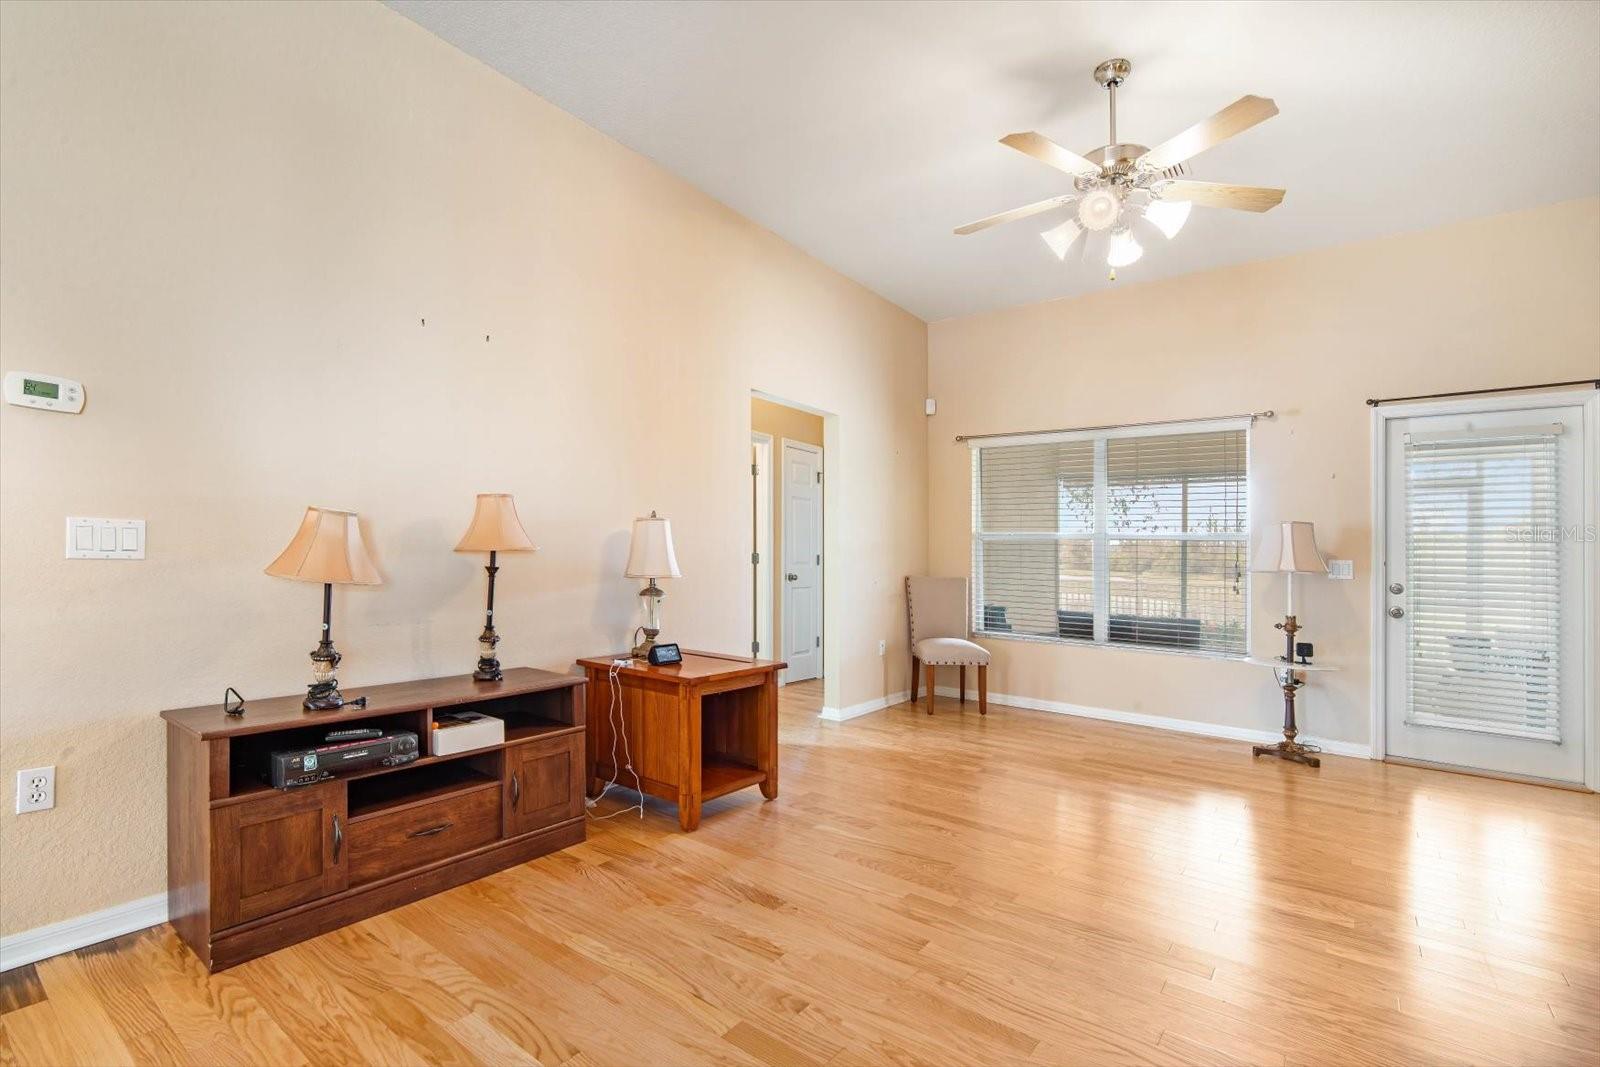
(936, 609)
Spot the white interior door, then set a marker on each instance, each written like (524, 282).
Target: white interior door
(802, 560)
(1484, 590)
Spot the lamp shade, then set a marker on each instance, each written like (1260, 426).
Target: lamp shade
(1289, 547)
(327, 548)
(495, 527)
(651, 555)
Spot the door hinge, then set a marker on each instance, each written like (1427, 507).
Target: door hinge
(754, 469)
(819, 640)
(755, 648)
(819, 560)
(755, 558)
(819, 477)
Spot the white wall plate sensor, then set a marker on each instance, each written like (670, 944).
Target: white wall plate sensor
(105, 538)
(46, 391)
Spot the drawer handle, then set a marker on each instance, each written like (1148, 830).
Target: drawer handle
(338, 838)
(430, 831)
(516, 788)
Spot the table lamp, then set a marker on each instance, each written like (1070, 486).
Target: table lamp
(328, 549)
(651, 557)
(1290, 549)
(495, 528)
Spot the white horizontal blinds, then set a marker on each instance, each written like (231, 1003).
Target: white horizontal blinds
(1035, 512)
(1483, 576)
(1177, 528)
(1167, 540)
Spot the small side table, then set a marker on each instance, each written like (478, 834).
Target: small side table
(694, 730)
(1287, 675)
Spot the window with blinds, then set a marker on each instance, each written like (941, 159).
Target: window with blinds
(1130, 538)
(1484, 581)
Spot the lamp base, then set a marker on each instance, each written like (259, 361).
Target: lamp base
(1289, 749)
(325, 696)
(488, 670)
(642, 649)
(1292, 751)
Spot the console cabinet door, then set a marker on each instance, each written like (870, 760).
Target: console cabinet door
(282, 849)
(544, 783)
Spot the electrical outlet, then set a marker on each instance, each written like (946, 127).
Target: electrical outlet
(1342, 568)
(883, 648)
(36, 789)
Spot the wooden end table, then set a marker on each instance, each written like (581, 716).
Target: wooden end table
(695, 730)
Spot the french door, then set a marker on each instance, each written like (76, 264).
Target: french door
(1484, 589)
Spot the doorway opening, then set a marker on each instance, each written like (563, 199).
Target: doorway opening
(787, 517)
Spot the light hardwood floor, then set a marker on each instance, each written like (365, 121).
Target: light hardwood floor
(1028, 888)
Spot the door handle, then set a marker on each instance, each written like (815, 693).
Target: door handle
(338, 838)
(1397, 613)
(516, 789)
(792, 577)
(430, 831)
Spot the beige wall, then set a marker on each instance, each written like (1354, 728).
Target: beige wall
(784, 423)
(1492, 302)
(230, 221)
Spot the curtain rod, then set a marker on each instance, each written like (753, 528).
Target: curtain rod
(1113, 426)
(1374, 402)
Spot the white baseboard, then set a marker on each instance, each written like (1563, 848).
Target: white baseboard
(866, 707)
(1163, 722)
(69, 934)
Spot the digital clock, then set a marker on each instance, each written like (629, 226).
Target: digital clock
(46, 391)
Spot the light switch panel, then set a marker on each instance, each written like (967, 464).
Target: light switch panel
(1344, 569)
(105, 538)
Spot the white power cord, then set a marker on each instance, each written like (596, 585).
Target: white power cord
(618, 727)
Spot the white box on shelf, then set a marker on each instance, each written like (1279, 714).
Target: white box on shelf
(463, 731)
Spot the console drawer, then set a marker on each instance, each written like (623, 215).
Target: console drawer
(393, 841)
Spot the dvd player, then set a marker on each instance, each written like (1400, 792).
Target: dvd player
(307, 766)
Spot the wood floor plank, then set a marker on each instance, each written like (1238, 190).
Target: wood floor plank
(1020, 888)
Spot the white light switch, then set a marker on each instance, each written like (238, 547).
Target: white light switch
(105, 538)
(1344, 569)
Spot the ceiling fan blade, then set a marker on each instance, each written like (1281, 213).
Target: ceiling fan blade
(1016, 213)
(1237, 117)
(1215, 194)
(1045, 150)
(1060, 238)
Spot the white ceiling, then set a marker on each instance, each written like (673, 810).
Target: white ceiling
(863, 132)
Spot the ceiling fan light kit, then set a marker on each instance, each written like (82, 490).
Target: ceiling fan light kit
(1120, 183)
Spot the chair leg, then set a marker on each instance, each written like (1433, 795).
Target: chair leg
(929, 669)
(916, 677)
(963, 685)
(983, 690)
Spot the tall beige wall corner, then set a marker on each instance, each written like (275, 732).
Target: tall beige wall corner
(230, 221)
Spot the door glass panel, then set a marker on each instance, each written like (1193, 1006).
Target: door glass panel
(1483, 554)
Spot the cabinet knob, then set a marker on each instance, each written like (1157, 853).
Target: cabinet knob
(338, 838)
(1396, 588)
(516, 789)
(1397, 613)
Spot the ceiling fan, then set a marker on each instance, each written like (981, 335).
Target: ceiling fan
(1118, 186)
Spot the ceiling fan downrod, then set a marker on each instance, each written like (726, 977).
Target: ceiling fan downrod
(1110, 74)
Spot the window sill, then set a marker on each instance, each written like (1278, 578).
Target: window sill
(1040, 639)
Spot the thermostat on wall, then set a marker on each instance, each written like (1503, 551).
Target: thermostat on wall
(44, 391)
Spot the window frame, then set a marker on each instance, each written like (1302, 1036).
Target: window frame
(1100, 537)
